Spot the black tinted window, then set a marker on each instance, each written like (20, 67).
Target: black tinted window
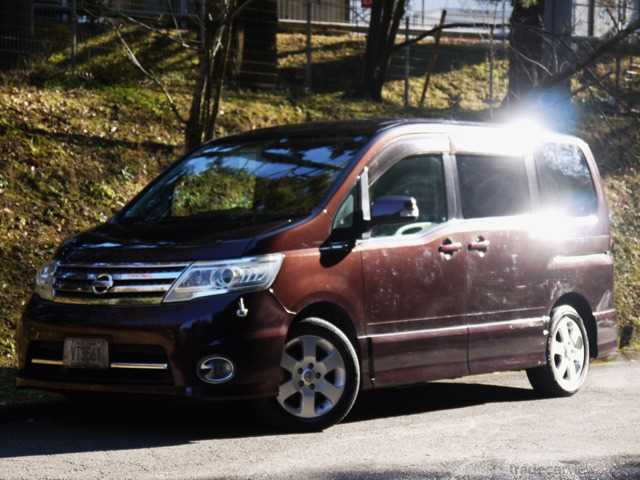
(493, 186)
(421, 177)
(564, 180)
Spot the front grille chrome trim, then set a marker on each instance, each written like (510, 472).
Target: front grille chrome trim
(100, 265)
(46, 361)
(127, 283)
(108, 301)
(123, 365)
(79, 277)
(140, 366)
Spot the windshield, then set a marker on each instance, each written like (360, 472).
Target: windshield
(241, 183)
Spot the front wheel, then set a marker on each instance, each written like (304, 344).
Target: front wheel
(567, 355)
(321, 378)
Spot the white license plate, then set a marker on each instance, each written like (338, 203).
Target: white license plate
(86, 353)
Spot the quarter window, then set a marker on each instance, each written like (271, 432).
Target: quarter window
(421, 177)
(344, 217)
(493, 186)
(564, 180)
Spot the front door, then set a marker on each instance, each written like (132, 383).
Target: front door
(414, 272)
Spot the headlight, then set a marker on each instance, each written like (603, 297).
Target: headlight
(44, 280)
(202, 279)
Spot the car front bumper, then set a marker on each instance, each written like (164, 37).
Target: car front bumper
(176, 335)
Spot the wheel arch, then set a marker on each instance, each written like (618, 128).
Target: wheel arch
(334, 314)
(583, 307)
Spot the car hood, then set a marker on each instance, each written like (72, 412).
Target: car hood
(117, 242)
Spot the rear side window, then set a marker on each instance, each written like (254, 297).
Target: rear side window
(564, 180)
(493, 186)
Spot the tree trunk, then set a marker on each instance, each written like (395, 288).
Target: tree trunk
(540, 48)
(218, 20)
(383, 27)
(526, 53)
(220, 75)
(254, 59)
(201, 111)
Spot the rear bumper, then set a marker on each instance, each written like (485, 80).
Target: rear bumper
(178, 335)
(607, 324)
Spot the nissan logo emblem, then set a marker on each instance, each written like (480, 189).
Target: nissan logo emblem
(102, 284)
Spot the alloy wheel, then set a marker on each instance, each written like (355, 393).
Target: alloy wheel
(315, 377)
(567, 354)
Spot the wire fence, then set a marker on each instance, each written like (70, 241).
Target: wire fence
(589, 17)
(31, 27)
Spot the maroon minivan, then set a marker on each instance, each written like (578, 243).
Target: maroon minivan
(298, 265)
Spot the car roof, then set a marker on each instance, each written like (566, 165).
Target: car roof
(371, 127)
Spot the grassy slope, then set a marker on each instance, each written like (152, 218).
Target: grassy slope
(76, 144)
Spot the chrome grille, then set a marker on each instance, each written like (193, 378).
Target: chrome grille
(115, 283)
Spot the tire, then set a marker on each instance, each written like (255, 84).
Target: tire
(321, 379)
(567, 356)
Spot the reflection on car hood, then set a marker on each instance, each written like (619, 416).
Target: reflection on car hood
(163, 242)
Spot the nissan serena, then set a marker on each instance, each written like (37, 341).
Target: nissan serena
(299, 265)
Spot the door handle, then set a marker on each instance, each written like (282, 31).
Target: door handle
(480, 244)
(449, 247)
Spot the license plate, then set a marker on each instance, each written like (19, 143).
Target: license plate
(86, 353)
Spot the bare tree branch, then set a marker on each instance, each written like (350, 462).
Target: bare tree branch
(598, 52)
(134, 59)
(116, 14)
(531, 60)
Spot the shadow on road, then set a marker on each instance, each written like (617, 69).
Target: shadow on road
(97, 425)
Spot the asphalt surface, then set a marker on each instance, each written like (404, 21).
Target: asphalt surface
(489, 426)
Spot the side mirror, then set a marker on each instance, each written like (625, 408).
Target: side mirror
(394, 209)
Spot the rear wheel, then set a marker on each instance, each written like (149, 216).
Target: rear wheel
(567, 355)
(321, 378)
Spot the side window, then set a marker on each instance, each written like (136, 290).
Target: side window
(564, 180)
(421, 177)
(493, 186)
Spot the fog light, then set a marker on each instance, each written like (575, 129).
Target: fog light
(215, 369)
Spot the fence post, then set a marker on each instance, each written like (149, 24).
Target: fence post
(434, 58)
(591, 17)
(491, 62)
(74, 30)
(504, 22)
(407, 62)
(307, 70)
(32, 19)
(203, 23)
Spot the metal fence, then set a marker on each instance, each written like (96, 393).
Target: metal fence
(335, 11)
(39, 26)
(597, 18)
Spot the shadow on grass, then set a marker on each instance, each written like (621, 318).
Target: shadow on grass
(132, 423)
(345, 71)
(101, 59)
(92, 141)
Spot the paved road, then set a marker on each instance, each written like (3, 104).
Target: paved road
(488, 426)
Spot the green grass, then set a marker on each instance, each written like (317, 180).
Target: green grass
(76, 142)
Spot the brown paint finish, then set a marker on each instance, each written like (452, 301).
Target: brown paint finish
(466, 296)
(505, 284)
(415, 307)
